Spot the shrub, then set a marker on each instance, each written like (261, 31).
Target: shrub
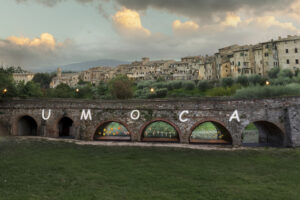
(203, 85)
(144, 84)
(285, 73)
(189, 85)
(273, 73)
(227, 82)
(176, 84)
(281, 81)
(243, 80)
(255, 80)
(268, 91)
(121, 87)
(223, 91)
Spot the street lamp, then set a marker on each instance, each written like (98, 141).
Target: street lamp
(4, 91)
(267, 82)
(152, 90)
(77, 90)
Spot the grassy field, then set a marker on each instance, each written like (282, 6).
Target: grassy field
(57, 170)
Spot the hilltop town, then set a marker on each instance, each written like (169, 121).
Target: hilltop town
(232, 61)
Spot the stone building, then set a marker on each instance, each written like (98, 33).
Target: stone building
(70, 79)
(288, 50)
(26, 77)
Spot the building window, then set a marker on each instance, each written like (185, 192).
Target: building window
(239, 64)
(287, 61)
(297, 61)
(296, 50)
(287, 51)
(266, 54)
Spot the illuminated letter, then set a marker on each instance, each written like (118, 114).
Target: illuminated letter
(182, 113)
(235, 115)
(86, 115)
(137, 115)
(43, 114)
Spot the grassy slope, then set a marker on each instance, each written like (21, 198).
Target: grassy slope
(44, 170)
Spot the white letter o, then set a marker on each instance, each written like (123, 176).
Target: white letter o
(137, 116)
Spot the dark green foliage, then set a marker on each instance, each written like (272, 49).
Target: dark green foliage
(203, 85)
(255, 80)
(43, 79)
(188, 85)
(243, 80)
(285, 73)
(268, 91)
(227, 82)
(273, 72)
(120, 87)
(30, 89)
(7, 82)
(63, 91)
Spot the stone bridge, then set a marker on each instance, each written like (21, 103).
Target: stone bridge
(276, 120)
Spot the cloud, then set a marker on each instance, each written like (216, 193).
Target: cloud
(36, 52)
(51, 3)
(231, 20)
(185, 28)
(266, 22)
(128, 23)
(207, 8)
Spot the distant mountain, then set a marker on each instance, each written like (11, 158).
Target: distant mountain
(89, 64)
(83, 65)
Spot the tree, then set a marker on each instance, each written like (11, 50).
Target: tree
(120, 87)
(243, 80)
(7, 85)
(285, 73)
(30, 89)
(63, 91)
(227, 82)
(273, 72)
(43, 79)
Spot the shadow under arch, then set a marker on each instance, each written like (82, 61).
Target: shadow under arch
(210, 131)
(160, 130)
(112, 130)
(26, 126)
(65, 127)
(263, 133)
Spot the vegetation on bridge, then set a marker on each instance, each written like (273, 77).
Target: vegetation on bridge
(48, 170)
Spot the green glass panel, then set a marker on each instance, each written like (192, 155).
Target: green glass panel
(160, 130)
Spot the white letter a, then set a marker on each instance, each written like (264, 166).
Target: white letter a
(235, 115)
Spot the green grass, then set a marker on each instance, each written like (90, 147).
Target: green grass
(48, 170)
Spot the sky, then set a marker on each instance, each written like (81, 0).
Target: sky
(36, 34)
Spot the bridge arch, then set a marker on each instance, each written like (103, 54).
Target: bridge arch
(26, 125)
(112, 130)
(263, 133)
(210, 131)
(170, 132)
(64, 127)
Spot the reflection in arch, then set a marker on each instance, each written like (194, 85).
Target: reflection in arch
(262, 133)
(160, 131)
(210, 133)
(112, 131)
(65, 127)
(27, 126)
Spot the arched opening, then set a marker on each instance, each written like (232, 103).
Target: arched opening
(65, 127)
(3, 130)
(262, 133)
(112, 131)
(27, 126)
(160, 131)
(210, 133)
